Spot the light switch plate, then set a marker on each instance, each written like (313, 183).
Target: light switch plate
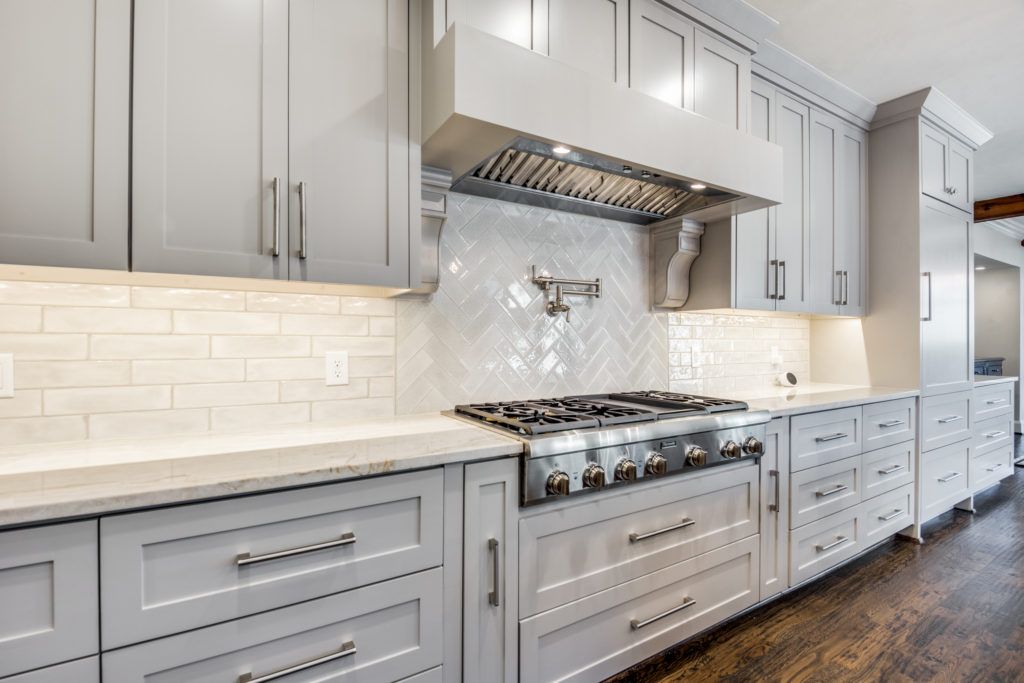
(336, 368)
(6, 375)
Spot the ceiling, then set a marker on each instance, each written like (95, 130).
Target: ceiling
(971, 51)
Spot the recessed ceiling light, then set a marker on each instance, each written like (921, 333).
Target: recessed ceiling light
(561, 149)
(979, 267)
(698, 186)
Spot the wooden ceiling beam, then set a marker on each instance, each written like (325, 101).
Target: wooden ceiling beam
(998, 208)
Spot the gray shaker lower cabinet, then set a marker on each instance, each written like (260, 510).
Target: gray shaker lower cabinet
(48, 596)
(79, 671)
(384, 632)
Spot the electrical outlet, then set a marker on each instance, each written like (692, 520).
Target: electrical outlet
(6, 375)
(336, 368)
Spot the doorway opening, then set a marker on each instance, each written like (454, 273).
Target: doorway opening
(997, 320)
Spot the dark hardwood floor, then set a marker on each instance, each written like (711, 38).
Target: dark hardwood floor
(949, 610)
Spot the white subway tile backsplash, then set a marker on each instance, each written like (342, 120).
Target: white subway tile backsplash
(187, 299)
(371, 366)
(356, 346)
(131, 346)
(225, 394)
(338, 325)
(360, 306)
(106, 320)
(24, 403)
(292, 303)
(32, 430)
(259, 369)
(149, 423)
(187, 371)
(72, 373)
(352, 409)
(316, 390)
(217, 322)
(45, 346)
(274, 346)
(63, 294)
(87, 401)
(238, 418)
(21, 318)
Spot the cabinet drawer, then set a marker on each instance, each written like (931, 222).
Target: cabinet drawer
(435, 675)
(993, 399)
(823, 544)
(887, 469)
(166, 571)
(49, 596)
(994, 432)
(889, 423)
(825, 437)
(944, 480)
(945, 419)
(571, 552)
(605, 633)
(990, 467)
(819, 491)
(887, 514)
(384, 632)
(79, 671)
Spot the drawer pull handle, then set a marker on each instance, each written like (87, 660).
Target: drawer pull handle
(636, 624)
(776, 506)
(892, 515)
(839, 541)
(348, 649)
(891, 469)
(831, 437)
(996, 401)
(634, 537)
(950, 477)
(832, 491)
(994, 467)
(892, 423)
(951, 418)
(493, 598)
(993, 435)
(244, 559)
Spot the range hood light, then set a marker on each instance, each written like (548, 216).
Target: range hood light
(979, 267)
(561, 149)
(645, 174)
(698, 186)
(627, 169)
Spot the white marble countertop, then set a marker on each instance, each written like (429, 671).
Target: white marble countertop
(994, 379)
(57, 481)
(810, 398)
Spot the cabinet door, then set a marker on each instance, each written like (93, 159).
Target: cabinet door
(64, 132)
(961, 171)
(591, 35)
(511, 20)
(721, 81)
(825, 276)
(210, 136)
(349, 192)
(934, 158)
(946, 281)
(775, 509)
(754, 243)
(490, 584)
(792, 131)
(851, 219)
(661, 53)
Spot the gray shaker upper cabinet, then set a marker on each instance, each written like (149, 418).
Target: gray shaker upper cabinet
(851, 221)
(661, 53)
(591, 35)
(721, 81)
(947, 168)
(349, 117)
(210, 137)
(792, 126)
(64, 132)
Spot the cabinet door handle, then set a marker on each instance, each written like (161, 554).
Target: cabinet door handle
(348, 649)
(950, 477)
(893, 468)
(928, 290)
(995, 401)
(839, 541)
(994, 435)
(302, 219)
(493, 597)
(347, 538)
(636, 624)
(950, 418)
(994, 467)
(892, 515)
(846, 288)
(782, 277)
(832, 491)
(774, 507)
(891, 423)
(275, 251)
(831, 437)
(634, 537)
(837, 288)
(774, 265)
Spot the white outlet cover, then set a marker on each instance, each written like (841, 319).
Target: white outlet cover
(336, 368)
(6, 375)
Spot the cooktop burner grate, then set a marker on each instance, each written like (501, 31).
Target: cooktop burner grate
(670, 399)
(555, 414)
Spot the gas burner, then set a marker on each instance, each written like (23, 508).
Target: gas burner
(670, 399)
(554, 414)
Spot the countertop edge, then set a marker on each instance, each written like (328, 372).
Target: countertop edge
(811, 403)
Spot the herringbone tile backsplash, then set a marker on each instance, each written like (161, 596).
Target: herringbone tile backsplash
(485, 335)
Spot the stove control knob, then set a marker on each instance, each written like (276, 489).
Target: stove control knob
(656, 464)
(696, 457)
(558, 483)
(731, 450)
(593, 476)
(625, 470)
(753, 446)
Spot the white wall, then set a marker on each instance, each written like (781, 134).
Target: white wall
(997, 316)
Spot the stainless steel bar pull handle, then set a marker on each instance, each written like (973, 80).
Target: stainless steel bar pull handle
(994, 467)
(846, 288)
(894, 468)
(891, 423)
(776, 506)
(348, 649)
(950, 477)
(892, 515)
(276, 249)
(839, 541)
(302, 219)
(832, 491)
(831, 437)
(950, 418)
(995, 401)
(493, 598)
(636, 624)
(926, 290)
(244, 559)
(774, 265)
(837, 285)
(994, 435)
(782, 277)
(634, 537)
